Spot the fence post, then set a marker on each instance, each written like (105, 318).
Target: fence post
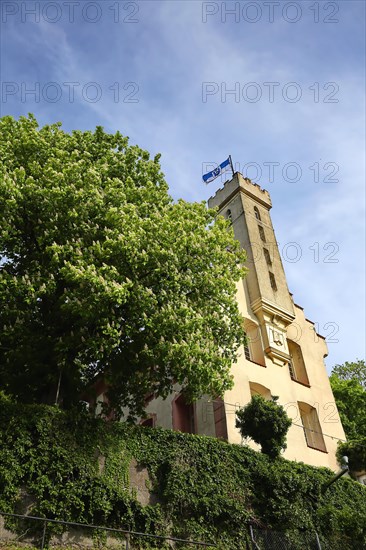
(254, 544)
(318, 541)
(43, 534)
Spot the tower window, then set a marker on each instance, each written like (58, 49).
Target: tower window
(261, 233)
(272, 281)
(257, 214)
(229, 216)
(267, 256)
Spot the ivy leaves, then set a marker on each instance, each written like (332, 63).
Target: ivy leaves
(76, 468)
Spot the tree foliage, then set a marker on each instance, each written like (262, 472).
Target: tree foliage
(355, 370)
(348, 382)
(266, 423)
(350, 398)
(102, 274)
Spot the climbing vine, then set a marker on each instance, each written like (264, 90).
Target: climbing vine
(76, 468)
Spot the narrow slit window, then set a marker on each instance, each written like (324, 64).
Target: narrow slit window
(267, 256)
(247, 352)
(229, 216)
(247, 349)
(272, 281)
(291, 369)
(261, 233)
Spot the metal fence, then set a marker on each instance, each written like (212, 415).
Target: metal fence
(38, 532)
(266, 539)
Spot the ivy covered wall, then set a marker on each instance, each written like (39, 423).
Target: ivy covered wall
(76, 468)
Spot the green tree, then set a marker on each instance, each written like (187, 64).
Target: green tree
(102, 274)
(348, 383)
(355, 370)
(350, 398)
(266, 423)
(349, 390)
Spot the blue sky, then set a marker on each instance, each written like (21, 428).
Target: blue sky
(161, 72)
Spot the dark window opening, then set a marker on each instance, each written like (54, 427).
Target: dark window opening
(272, 281)
(261, 233)
(247, 349)
(247, 352)
(148, 422)
(257, 214)
(267, 256)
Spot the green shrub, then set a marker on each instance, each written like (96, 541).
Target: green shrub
(266, 423)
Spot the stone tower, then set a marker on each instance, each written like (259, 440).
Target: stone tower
(285, 355)
(248, 206)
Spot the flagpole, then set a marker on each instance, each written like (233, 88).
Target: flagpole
(231, 164)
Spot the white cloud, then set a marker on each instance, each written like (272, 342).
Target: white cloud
(169, 54)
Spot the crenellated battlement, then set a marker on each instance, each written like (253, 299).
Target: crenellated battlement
(239, 183)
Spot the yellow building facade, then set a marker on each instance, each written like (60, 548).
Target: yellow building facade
(284, 356)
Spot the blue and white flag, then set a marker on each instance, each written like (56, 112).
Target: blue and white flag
(210, 176)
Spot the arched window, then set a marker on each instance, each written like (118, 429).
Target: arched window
(229, 216)
(257, 214)
(258, 389)
(149, 422)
